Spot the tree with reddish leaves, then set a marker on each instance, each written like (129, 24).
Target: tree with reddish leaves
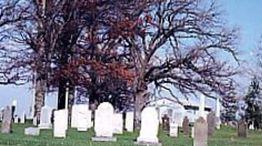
(64, 44)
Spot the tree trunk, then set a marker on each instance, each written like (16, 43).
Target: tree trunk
(39, 96)
(71, 98)
(61, 95)
(140, 99)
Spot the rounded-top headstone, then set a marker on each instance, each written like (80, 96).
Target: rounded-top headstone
(104, 120)
(200, 132)
(149, 125)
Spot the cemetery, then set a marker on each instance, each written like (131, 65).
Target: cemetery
(130, 73)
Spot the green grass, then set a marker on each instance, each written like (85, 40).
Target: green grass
(224, 137)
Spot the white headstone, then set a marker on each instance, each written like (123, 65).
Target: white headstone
(251, 126)
(192, 132)
(45, 118)
(83, 117)
(16, 119)
(149, 126)
(218, 121)
(118, 123)
(34, 121)
(60, 123)
(173, 131)
(74, 116)
(129, 122)
(104, 120)
(22, 119)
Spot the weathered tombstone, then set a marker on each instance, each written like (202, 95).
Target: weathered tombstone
(211, 117)
(45, 118)
(242, 129)
(186, 128)
(104, 123)
(32, 131)
(129, 122)
(60, 123)
(22, 119)
(200, 132)
(173, 132)
(7, 121)
(165, 123)
(149, 127)
(118, 123)
(83, 117)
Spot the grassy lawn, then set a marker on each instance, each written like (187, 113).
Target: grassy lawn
(224, 137)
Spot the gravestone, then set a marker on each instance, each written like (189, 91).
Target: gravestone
(242, 129)
(129, 122)
(200, 132)
(211, 121)
(16, 119)
(149, 127)
(218, 121)
(60, 123)
(185, 126)
(74, 116)
(118, 123)
(7, 121)
(173, 132)
(251, 126)
(22, 119)
(32, 131)
(1, 114)
(45, 118)
(192, 132)
(104, 123)
(83, 117)
(35, 121)
(165, 123)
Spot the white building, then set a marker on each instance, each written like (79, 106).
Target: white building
(177, 111)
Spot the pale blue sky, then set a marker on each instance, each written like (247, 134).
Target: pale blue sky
(245, 14)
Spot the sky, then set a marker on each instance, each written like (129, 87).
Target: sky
(244, 14)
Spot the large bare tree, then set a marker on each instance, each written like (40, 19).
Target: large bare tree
(177, 46)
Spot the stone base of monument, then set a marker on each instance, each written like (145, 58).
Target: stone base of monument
(33, 131)
(45, 126)
(141, 143)
(80, 129)
(104, 139)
